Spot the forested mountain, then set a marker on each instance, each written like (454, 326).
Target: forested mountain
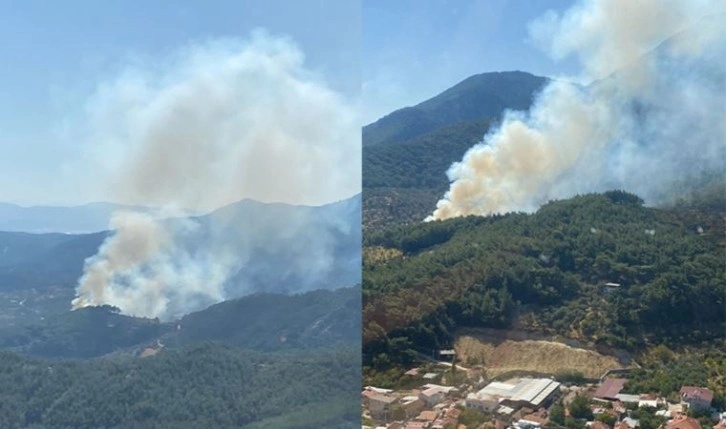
(484, 95)
(269, 321)
(43, 260)
(266, 360)
(201, 386)
(547, 272)
(406, 154)
(263, 322)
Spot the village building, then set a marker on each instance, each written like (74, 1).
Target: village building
(379, 404)
(683, 422)
(526, 392)
(627, 398)
(610, 389)
(432, 396)
(599, 425)
(696, 397)
(412, 406)
(427, 416)
(416, 425)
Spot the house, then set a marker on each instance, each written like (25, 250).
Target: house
(379, 405)
(446, 389)
(599, 425)
(427, 416)
(650, 403)
(683, 422)
(417, 425)
(610, 388)
(696, 397)
(412, 405)
(539, 418)
(432, 396)
(453, 413)
(628, 399)
(483, 402)
(624, 425)
(524, 424)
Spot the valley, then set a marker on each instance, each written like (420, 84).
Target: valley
(86, 368)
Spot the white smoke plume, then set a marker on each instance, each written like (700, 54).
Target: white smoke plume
(651, 118)
(217, 123)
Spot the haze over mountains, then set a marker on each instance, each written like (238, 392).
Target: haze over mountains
(275, 255)
(87, 218)
(286, 311)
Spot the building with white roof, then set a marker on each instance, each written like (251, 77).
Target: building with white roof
(432, 396)
(527, 392)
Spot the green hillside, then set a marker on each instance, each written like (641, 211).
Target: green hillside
(262, 322)
(202, 386)
(546, 272)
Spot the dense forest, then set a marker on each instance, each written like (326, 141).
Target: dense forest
(547, 272)
(265, 360)
(206, 385)
(263, 322)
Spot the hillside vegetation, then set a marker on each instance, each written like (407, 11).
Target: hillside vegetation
(546, 272)
(202, 386)
(262, 322)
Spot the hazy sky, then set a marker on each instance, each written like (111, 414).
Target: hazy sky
(414, 49)
(53, 55)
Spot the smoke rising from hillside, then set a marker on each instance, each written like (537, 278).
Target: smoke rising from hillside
(651, 119)
(217, 123)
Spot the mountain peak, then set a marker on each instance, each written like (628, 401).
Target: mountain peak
(480, 96)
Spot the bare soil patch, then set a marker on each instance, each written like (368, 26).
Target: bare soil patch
(503, 351)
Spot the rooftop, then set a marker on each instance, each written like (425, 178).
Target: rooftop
(533, 391)
(683, 422)
(610, 388)
(700, 393)
(431, 391)
(380, 397)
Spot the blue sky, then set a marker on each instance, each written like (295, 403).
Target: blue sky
(53, 53)
(414, 49)
(388, 53)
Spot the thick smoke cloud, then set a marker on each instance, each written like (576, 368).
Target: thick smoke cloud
(650, 121)
(216, 123)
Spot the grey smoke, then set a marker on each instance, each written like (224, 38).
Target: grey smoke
(650, 121)
(219, 122)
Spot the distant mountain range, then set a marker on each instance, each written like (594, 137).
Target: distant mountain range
(278, 241)
(93, 217)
